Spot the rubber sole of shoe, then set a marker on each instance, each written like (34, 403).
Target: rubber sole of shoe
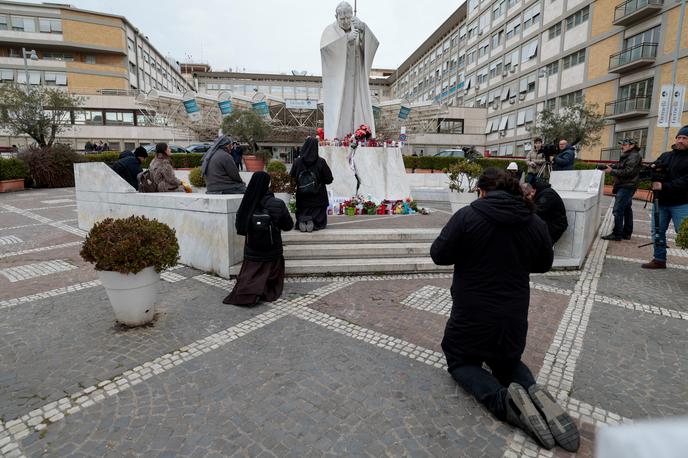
(564, 430)
(530, 417)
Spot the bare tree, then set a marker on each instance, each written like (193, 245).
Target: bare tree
(41, 112)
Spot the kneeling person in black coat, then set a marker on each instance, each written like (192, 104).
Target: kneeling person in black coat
(494, 245)
(549, 207)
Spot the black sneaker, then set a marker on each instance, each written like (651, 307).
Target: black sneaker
(522, 413)
(561, 425)
(612, 237)
(627, 237)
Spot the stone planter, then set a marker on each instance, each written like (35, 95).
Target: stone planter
(254, 163)
(12, 185)
(458, 200)
(132, 296)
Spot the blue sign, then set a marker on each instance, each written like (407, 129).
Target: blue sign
(192, 109)
(402, 137)
(404, 112)
(225, 107)
(261, 109)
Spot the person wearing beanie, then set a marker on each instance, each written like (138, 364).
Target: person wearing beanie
(129, 165)
(670, 188)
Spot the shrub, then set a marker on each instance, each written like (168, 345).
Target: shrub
(13, 169)
(130, 245)
(109, 157)
(276, 166)
(464, 173)
(196, 178)
(682, 235)
(282, 182)
(51, 167)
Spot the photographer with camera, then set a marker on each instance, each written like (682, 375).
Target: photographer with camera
(565, 157)
(536, 160)
(670, 188)
(626, 175)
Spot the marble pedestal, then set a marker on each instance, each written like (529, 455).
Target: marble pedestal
(581, 191)
(380, 170)
(204, 223)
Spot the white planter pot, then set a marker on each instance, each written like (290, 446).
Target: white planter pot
(133, 296)
(458, 200)
(284, 196)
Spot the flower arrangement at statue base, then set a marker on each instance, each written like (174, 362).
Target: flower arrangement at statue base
(358, 206)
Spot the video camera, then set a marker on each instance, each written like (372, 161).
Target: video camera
(656, 171)
(548, 151)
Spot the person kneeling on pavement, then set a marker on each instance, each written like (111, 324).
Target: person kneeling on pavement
(494, 245)
(549, 207)
(219, 169)
(626, 175)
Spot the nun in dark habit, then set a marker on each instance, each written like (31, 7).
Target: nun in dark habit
(261, 218)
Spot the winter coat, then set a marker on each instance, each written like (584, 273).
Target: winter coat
(223, 174)
(537, 157)
(163, 176)
(550, 208)
(281, 220)
(564, 160)
(675, 183)
(324, 174)
(626, 172)
(494, 244)
(128, 167)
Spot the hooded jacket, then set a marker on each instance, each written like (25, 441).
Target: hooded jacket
(309, 159)
(550, 208)
(128, 167)
(564, 160)
(675, 184)
(220, 170)
(494, 244)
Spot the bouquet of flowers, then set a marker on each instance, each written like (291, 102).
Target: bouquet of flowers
(369, 207)
(363, 133)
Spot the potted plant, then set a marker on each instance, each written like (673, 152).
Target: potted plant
(282, 184)
(369, 207)
(256, 162)
(463, 178)
(129, 255)
(349, 206)
(12, 174)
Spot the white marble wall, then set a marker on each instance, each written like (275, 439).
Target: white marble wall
(204, 223)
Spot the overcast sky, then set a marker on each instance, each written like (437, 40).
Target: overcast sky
(272, 35)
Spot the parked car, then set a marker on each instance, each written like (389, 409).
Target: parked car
(176, 149)
(459, 153)
(199, 147)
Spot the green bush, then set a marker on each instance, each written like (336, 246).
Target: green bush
(130, 245)
(276, 166)
(109, 157)
(682, 235)
(51, 167)
(196, 178)
(13, 169)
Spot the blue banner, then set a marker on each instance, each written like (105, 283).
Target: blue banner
(225, 107)
(261, 109)
(192, 109)
(404, 112)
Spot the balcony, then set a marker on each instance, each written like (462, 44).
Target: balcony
(633, 58)
(634, 10)
(628, 108)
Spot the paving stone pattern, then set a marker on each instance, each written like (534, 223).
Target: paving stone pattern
(339, 366)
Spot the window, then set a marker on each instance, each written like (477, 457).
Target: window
(529, 50)
(555, 31)
(473, 29)
(636, 90)
(130, 44)
(497, 39)
(89, 118)
(527, 84)
(531, 17)
(573, 59)
(511, 60)
(119, 118)
(571, 98)
(34, 77)
(90, 59)
(3, 22)
(58, 56)
(648, 36)
(483, 48)
(55, 79)
(472, 56)
(46, 25)
(6, 74)
(482, 75)
(472, 5)
(462, 60)
(23, 24)
(445, 46)
(462, 33)
(132, 68)
(450, 126)
(495, 68)
(577, 18)
(491, 125)
(639, 135)
(506, 93)
(454, 41)
(551, 104)
(504, 123)
(498, 10)
(484, 22)
(552, 69)
(513, 28)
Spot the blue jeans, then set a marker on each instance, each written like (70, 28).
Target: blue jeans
(623, 212)
(677, 214)
(491, 389)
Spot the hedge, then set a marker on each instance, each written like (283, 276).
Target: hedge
(13, 169)
(442, 163)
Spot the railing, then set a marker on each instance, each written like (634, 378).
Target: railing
(93, 91)
(622, 106)
(631, 6)
(635, 53)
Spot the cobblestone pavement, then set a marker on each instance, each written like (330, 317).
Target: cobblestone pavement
(339, 366)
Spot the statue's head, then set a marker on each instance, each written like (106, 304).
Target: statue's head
(344, 14)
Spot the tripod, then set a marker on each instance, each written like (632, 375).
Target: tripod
(545, 170)
(655, 221)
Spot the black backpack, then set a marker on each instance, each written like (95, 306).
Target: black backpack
(146, 183)
(260, 236)
(307, 182)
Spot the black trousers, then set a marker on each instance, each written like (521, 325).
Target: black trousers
(491, 388)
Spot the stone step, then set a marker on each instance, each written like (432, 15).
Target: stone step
(357, 250)
(358, 266)
(348, 236)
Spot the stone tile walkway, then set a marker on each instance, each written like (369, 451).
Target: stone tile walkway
(338, 366)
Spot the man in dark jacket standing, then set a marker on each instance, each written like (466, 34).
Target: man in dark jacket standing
(311, 173)
(564, 160)
(220, 171)
(494, 244)
(671, 191)
(129, 165)
(626, 175)
(237, 154)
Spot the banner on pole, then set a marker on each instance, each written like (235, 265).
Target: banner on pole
(404, 112)
(664, 106)
(192, 109)
(676, 111)
(262, 109)
(226, 107)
